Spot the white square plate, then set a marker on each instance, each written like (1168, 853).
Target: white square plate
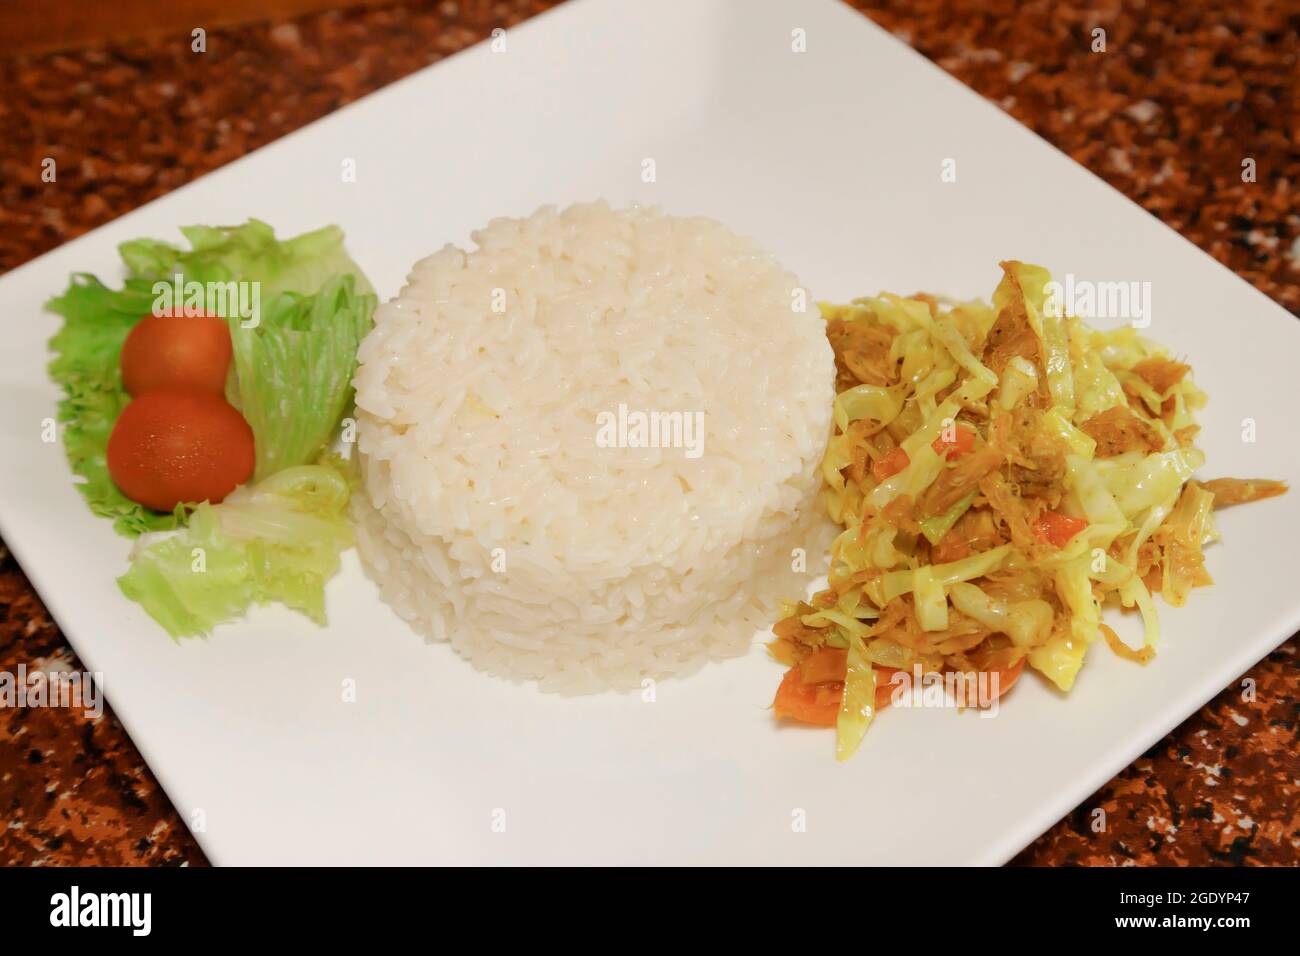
(832, 159)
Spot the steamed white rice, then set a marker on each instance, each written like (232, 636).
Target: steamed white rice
(493, 518)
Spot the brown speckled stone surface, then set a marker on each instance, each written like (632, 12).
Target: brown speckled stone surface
(1182, 95)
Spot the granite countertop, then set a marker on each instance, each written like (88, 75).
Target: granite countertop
(1182, 94)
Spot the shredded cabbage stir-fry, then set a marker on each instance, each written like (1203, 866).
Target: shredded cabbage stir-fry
(1001, 473)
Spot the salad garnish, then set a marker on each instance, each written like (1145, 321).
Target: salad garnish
(201, 401)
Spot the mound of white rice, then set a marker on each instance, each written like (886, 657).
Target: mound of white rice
(510, 505)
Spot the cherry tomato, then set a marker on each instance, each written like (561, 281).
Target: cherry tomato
(954, 443)
(1057, 529)
(891, 464)
(885, 685)
(810, 703)
(819, 703)
(1006, 678)
(176, 351)
(826, 665)
(173, 446)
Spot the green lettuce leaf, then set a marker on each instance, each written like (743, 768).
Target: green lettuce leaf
(293, 371)
(278, 541)
(247, 253)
